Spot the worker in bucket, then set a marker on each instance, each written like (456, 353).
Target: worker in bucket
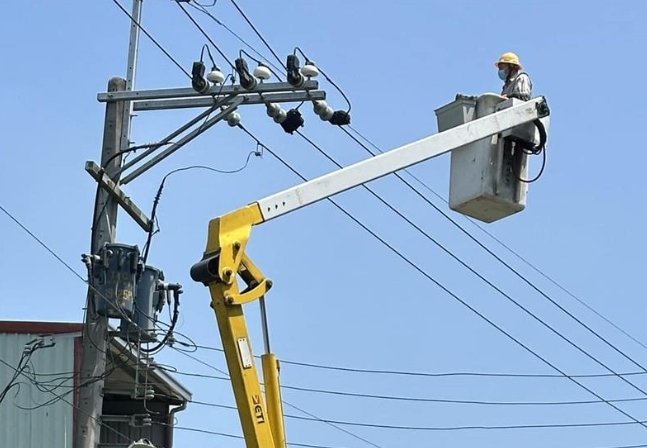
(517, 84)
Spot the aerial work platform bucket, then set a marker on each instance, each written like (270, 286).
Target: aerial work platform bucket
(486, 177)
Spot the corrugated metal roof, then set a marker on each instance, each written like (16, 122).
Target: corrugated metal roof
(158, 377)
(53, 367)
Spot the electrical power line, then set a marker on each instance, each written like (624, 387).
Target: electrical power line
(477, 241)
(488, 282)
(157, 44)
(204, 33)
(39, 241)
(454, 222)
(234, 436)
(62, 398)
(419, 399)
(517, 273)
(158, 196)
(433, 374)
(204, 363)
(260, 36)
(508, 248)
(203, 10)
(206, 431)
(452, 294)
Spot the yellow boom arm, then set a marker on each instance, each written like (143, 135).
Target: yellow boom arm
(225, 260)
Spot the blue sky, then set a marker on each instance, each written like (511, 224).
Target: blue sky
(340, 297)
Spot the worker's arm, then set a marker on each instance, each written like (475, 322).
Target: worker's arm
(522, 88)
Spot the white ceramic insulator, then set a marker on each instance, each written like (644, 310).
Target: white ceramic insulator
(310, 71)
(281, 116)
(327, 114)
(262, 72)
(273, 109)
(319, 106)
(233, 119)
(216, 77)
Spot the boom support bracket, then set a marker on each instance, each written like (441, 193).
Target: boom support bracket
(223, 264)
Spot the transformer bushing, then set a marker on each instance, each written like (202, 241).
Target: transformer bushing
(114, 279)
(149, 300)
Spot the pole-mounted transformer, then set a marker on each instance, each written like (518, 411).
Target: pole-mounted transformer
(128, 290)
(114, 278)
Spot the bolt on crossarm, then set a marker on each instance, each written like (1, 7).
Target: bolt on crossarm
(225, 261)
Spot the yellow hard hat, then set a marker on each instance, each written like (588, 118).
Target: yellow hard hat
(509, 58)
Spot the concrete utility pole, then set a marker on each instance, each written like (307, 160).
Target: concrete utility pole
(116, 137)
(95, 333)
(220, 103)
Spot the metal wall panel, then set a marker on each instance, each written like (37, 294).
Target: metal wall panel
(47, 425)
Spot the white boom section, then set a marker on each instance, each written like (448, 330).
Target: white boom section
(396, 159)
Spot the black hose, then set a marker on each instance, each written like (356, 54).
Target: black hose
(176, 314)
(536, 150)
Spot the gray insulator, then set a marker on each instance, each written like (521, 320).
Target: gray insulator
(273, 109)
(233, 119)
(327, 114)
(319, 107)
(281, 116)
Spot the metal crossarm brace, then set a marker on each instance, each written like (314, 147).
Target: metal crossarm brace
(183, 141)
(161, 94)
(248, 99)
(113, 189)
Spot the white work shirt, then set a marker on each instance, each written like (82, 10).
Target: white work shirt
(519, 86)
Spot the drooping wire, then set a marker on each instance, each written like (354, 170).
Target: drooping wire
(206, 364)
(436, 375)
(169, 333)
(209, 53)
(518, 274)
(233, 436)
(454, 295)
(168, 55)
(158, 195)
(61, 380)
(305, 445)
(433, 428)
(62, 398)
(23, 364)
(433, 205)
(504, 245)
(492, 285)
(417, 399)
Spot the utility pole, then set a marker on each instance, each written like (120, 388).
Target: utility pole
(116, 137)
(219, 103)
(95, 329)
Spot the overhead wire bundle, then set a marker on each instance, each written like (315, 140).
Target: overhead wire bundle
(563, 374)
